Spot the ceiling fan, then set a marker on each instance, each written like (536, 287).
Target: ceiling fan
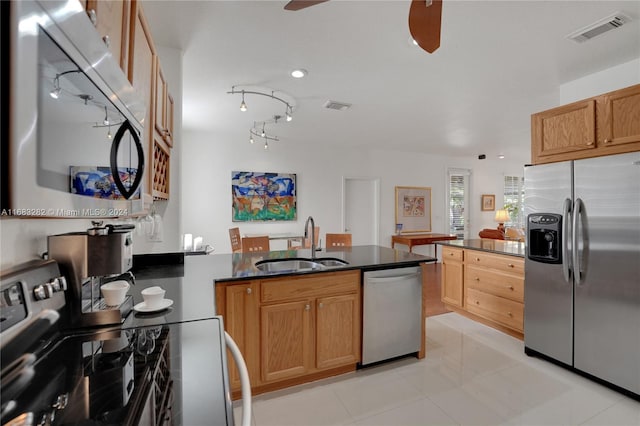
(424, 20)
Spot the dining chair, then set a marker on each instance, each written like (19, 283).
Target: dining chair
(236, 243)
(338, 240)
(294, 244)
(254, 244)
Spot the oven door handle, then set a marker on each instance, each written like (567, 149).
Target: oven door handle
(26, 336)
(126, 192)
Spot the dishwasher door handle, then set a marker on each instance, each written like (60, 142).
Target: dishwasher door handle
(380, 280)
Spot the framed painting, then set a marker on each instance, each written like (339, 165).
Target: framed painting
(413, 209)
(262, 196)
(488, 202)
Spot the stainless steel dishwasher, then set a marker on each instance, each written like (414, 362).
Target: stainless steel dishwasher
(392, 313)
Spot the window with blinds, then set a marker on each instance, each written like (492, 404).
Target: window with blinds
(457, 187)
(514, 199)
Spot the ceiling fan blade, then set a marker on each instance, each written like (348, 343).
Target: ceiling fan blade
(424, 23)
(301, 4)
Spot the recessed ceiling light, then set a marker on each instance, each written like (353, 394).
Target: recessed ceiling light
(299, 73)
(501, 156)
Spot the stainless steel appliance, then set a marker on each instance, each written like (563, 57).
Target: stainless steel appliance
(75, 120)
(146, 371)
(89, 261)
(392, 313)
(582, 268)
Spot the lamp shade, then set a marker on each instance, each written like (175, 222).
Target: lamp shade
(502, 216)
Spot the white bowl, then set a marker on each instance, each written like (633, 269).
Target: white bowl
(153, 296)
(115, 292)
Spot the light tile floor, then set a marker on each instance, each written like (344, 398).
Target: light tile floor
(472, 375)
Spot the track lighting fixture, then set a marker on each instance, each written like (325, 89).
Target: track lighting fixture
(109, 133)
(243, 106)
(266, 144)
(263, 133)
(55, 93)
(106, 117)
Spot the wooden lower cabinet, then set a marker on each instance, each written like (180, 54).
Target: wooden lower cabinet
(286, 340)
(452, 276)
(490, 287)
(293, 329)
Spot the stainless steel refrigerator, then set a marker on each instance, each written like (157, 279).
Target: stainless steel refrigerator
(582, 268)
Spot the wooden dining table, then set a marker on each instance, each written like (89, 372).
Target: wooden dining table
(411, 240)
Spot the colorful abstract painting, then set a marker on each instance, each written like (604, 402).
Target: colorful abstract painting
(258, 196)
(97, 182)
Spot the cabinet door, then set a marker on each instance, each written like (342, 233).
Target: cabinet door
(286, 340)
(241, 319)
(142, 76)
(562, 130)
(337, 331)
(620, 120)
(452, 276)
(112, 23)
(161, 96)
(160, 163)
(168, 137)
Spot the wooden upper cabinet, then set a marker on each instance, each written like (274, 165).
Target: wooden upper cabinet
(142, 60)
(163, 108)
(111, 19)
(602, 125)
(620, 112)
(564, 129)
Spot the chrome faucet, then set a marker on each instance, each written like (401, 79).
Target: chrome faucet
(313, 235)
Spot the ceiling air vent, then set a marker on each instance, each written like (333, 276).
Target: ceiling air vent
(612, 22)
(340, 106)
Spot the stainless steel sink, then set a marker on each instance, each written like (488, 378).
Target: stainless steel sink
(331, 262)
(298, 264)
(287, 265)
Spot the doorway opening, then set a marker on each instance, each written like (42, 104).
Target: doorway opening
(458, 201)
(361, 209)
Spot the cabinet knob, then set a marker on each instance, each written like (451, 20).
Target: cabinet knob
(107, 40)
(511, 265)
(248, 290)
(307, 307)
(477, 259)
(589, 143)
(510, 287)
(510, 314)
(477, 302)
(92, 16)
(320, 305)
(477, 278)
(606, 141)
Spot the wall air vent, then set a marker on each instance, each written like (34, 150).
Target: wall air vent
(612, 22)
(340, 106)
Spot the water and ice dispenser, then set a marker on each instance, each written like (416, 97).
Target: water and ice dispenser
(544, 237)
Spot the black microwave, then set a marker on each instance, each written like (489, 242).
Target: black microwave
(75, 121)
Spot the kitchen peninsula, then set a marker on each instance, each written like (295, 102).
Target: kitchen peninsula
(300, 326)
(483, 279)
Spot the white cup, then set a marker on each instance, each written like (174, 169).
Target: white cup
(115, 292)
(153, 296)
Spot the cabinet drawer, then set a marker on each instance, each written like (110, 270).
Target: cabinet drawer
(307, 287)
(498, 309)
(451, 253)
(510, 264)
(510, 286)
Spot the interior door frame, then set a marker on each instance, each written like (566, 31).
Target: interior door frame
(376, 201)
(468, 172)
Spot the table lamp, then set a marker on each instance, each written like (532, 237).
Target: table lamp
(502, 216)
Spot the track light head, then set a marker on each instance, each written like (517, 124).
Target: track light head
(243, 106)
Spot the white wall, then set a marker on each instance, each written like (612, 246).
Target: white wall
(613, 78)
(209, 159)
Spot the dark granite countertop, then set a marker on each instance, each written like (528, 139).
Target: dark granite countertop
(511, 248)
(189, 280)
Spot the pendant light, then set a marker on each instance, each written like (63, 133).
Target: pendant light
(243, 106)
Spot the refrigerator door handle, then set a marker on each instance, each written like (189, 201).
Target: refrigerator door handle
(566, 260)
(577, 213)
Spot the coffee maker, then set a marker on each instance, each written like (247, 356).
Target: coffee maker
(90, 259)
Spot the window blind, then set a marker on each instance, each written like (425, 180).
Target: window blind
(513, 199)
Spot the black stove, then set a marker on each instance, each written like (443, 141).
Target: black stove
(114, 375)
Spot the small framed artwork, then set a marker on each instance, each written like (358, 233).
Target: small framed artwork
(413, 209)
(488, 202)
